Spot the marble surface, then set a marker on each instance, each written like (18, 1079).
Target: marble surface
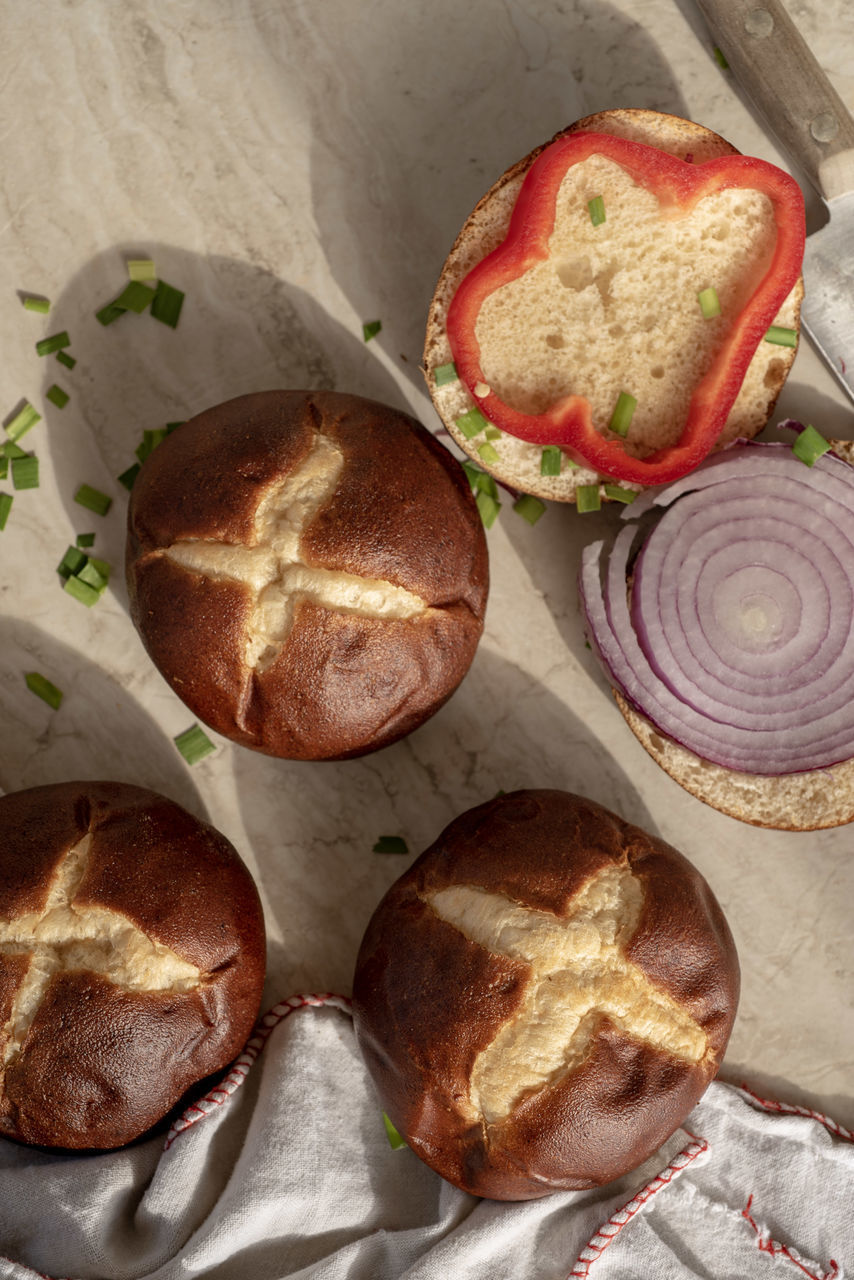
(298, 168)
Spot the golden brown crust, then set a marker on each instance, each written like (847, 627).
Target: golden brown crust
(101, 1062)
(428, 1000)
(401, 513)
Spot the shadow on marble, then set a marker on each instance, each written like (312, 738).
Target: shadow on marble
(242, 329)
(99, 732)
(501, 730)
(473, 101)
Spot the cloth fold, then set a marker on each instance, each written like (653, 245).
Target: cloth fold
(283, 1172)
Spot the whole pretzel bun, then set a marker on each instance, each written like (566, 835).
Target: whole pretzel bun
(543, 997)
(132, 958)
(308, 570)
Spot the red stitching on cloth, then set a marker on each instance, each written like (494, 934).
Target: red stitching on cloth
(776, 1250)
(789, 1109)
(25, 1270)
(221, 1092)
(598, 1243)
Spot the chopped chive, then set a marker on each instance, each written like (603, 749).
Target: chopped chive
(719, 58)
(92, 576)
(445, 373)
(72, 562)
(57, 396)
(472, 423)
(85, 539)
(809, 446)
(596, 208)
(42, 688)
(493, 433)
(194, 744)
(64, 358)
(485, 483)
(709, 303)
(782, 337)
(25, 472)
(394, 1139)
(618, 494)
(42, 305)
(173, 426)
(101, 567)
(472, 472)
(529, 508)
(93, 499)
(150, 441)
(109, 313)
(370, 329)
(141, 269)
(12, 450)
(47, 346)
(550, 460)
(4, 465)
(81, 591)
(622, 416)
(488, 452)
(587, 498)
(488, 507)
(391, 844)
(6, 500)
(24, 419)
(134, 297)
(127, 477)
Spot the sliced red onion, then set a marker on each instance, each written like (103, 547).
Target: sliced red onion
(739, 642)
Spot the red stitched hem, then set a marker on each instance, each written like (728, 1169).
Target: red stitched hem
(221, 1092)
(790, 1109)
(766, 1245)
(598, 1243)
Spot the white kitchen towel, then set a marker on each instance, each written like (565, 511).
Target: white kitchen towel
(284, 1170)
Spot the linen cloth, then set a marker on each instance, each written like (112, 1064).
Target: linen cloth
(283, 1170)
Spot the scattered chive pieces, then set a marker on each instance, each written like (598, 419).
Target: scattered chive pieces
(720, 59)
(72, 562)
(550, 460)
(6, 501)
(4, 465)
(391, 844)
(47, 346)
(41, 305)
(709, 303)
(445, 373)
(618, 494)
(150, 441)
(493, 433)
(101, 566)
(81, 591)
(485, 483)
(25, 472)
(472, 472)
(42, 688)
(587, 498)
(194, 744)
(371, 328)
(596, 207)
(134, 297)
(92, 576)
(109, 313)
(64, 358)
(93, 499)
(85, 539)
(622, 416)
(488, 507)
(809, 446)
(394, 1139)
(12, 450)
(472, 423)
(57, 396)
(141, 269)
(127, 477)
(23, 420)
(488, 452)
(529, 508)
(782, 337)
(173, 426)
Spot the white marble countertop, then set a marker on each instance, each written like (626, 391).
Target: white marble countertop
(298, 168)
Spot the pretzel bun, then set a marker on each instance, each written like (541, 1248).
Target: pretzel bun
(131, 960)
(611, 316)
(308, 570)
(543, 997)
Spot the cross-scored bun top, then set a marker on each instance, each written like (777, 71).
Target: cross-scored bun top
(131, 960)
(543, 996)
(308, 570)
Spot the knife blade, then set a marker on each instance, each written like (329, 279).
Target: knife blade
(776, 69)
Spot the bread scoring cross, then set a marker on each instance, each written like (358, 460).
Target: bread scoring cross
(276, 576)
(579, 973)
(64, 937)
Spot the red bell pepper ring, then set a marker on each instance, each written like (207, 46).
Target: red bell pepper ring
(678, 186)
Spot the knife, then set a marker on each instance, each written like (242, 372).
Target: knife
(777, 70)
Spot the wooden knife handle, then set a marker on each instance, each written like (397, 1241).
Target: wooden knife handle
(775, 67)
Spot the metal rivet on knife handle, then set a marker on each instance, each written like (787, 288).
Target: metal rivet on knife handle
(759, 23)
